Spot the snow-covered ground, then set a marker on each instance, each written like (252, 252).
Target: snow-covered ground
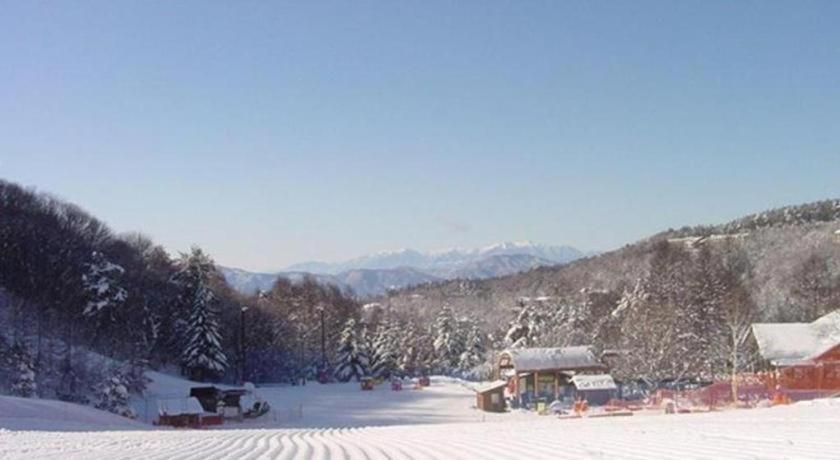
(339, 421)
(41, 414)
(346, 406)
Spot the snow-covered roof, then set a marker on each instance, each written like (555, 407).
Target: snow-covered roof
(537, 359)
(180, 406)
(491, 386)
(594, 382)
(789, 343)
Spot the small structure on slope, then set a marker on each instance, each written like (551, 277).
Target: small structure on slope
(491, 397)
(805, 357)
(180, 412)
(534, 373)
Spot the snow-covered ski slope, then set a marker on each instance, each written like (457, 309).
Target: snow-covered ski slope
(345, 406)
(41, 414)
(798, 431)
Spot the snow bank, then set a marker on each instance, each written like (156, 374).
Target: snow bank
(45, 414)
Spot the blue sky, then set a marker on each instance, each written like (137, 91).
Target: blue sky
(275, 132)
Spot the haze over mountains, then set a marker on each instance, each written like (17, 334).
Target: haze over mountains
(376, 273)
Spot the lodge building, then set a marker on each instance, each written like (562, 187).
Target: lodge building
(554, 373)
(804, 357)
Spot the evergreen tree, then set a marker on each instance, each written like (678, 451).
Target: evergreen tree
(101, 283)
(112, 394)
(385, 347)
(448, 343)
(527, 326)
(352, 360)
(202, 356)
(473, 353)
(408, 345)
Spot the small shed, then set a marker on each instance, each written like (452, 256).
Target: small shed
(596, 389)
(491, 397)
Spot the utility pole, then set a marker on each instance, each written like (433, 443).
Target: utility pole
(323, 341)
(242, 343)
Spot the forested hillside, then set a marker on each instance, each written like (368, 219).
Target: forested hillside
(678, 303)
(83, 310)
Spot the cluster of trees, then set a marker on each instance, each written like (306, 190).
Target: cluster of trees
(67, 280)
(385, 346)
(83, 311)
(804, 214)
(668, 307)
(689, 315)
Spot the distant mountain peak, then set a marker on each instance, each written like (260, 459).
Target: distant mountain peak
(441, 259)
(375, 273)
(509, 245)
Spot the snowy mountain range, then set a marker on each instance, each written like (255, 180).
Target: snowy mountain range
(376, 273)
(442, 262)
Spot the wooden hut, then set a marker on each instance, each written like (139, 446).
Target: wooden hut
(491, 398)
(535, 373)
(804, 357)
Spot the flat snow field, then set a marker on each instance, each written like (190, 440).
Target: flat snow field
(339, 421)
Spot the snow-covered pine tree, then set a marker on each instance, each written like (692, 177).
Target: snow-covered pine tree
(22, 368)
(473, 354)
(426, 358)
(366, 340)
(525, 329)
(101, 284)
(407, 345)
(352, 360)
(202, 356)
(112, 394)
(385, 348)
(133, 375)
(448, 343)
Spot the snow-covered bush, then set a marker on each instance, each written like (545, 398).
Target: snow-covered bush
(112, 395)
